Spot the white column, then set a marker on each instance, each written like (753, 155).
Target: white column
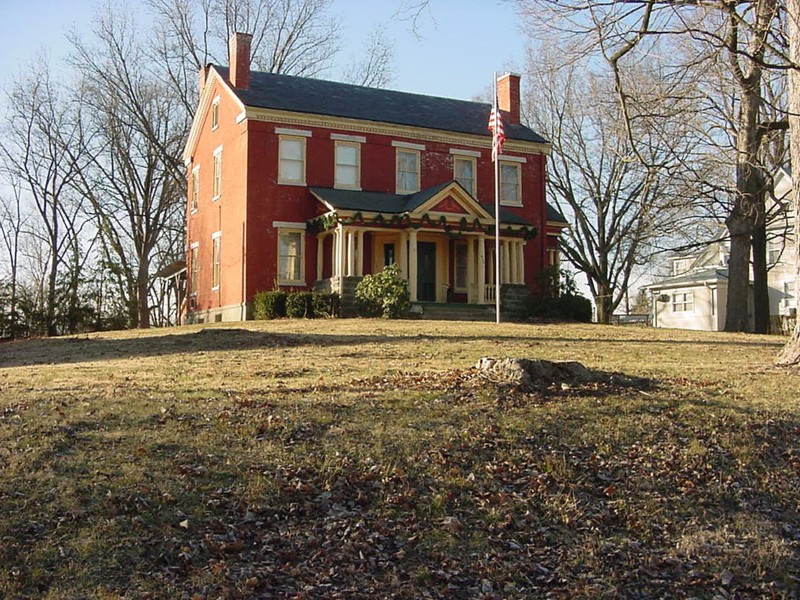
(320, 257)
(490, 262)
(481, 296)
(505, 273)
(512, 261)
(360, 250)
(471, 291)
(412, 264)
(340, 255)
(351, 253)
(404, 254)
(520, 262)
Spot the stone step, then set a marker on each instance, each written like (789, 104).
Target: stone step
(455, 312)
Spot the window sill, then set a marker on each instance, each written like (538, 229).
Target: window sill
(215, 289)
(347, 187)
(293, 183)
(517, 205)
(215, 198)
(292, 283)
(193, 211)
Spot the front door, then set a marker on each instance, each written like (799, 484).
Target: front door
(426, 271)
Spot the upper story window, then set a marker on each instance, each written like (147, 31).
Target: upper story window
(348, 165)
(681, 265)
(464, 172)
(774, 250)
(216, 186)
(407, 171)
(216, 252)
(195, 192)
(510, 188)
(215, 114)
(292, 160)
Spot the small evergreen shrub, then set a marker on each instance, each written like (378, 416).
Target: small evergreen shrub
(560, 299)
(299, 305)
(269, 305)
(325, 304)
(383, 294)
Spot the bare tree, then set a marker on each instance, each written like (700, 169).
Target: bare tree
(375, 68)
(747, 34)
(12, 226)
(617, 207)
(134, 127)
(41, 126)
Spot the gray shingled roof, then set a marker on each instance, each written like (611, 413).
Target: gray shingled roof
(320, 97)
(395, 204)
(692, 278)
(554, 215)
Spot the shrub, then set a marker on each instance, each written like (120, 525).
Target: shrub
(383, 294)
(569, 307)
(269, 305)
(325, 304)
(299, 305)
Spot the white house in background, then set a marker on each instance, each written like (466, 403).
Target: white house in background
(694, 295)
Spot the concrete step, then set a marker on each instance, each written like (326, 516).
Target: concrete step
(455, 312)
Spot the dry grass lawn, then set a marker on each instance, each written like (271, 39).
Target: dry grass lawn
(366, 459)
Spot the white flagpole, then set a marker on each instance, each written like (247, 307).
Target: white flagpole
(496, 208)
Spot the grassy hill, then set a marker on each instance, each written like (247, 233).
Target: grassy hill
(359, 458)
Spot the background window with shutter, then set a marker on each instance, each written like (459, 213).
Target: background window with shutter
(216, 187)
(407, 171)
(292, 160)
(290, 257)
(216, 251)
(464, 172)
(348, 165)
(509, 184)
(195, 188)
(194, 264)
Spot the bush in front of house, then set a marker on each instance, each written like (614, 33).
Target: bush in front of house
(560, 299)
(299, 305)
(383, 294)
(325, 304)
(269, 305)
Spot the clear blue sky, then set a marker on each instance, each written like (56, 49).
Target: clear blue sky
(460, 43)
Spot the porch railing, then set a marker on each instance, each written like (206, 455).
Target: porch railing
(488, 293)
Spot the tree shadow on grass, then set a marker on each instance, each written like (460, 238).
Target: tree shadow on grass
(72, 350)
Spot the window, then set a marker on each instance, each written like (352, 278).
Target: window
(290, 257)
(215, 114)
(195, 188)
(407, 171)
(348, 165)
(682, 301)
(509, 184)
(388, 255)
(292, 160)
(681, 265)
(788, 294)
(460, 283)
(774, 250)
(194, 264)
(464, 172)
(216, 248)
(216, 187)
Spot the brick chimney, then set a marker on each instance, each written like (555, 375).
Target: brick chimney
(239, 59)
(508, 96)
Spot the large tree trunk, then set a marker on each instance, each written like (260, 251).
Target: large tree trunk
(790, 355)
(604, 303)
(143, 301)
(761, 322)
(736, 317)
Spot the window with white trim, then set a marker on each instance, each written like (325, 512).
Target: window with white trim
(464, 172)
(216, 252)
(407, 171)
(460, 279)
(683, 301)
(348, 165)
(195, 188)
(291, 244)
(216, 186)
(774, 250)
(194, 265)
(788, 300)
(215, 114)
(292, 160)
(681, 265)
(510, 184)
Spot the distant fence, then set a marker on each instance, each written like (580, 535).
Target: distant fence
(640, 320)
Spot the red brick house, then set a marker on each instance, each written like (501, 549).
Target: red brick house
(303, 183)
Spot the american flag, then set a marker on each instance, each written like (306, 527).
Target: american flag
(499, 136)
